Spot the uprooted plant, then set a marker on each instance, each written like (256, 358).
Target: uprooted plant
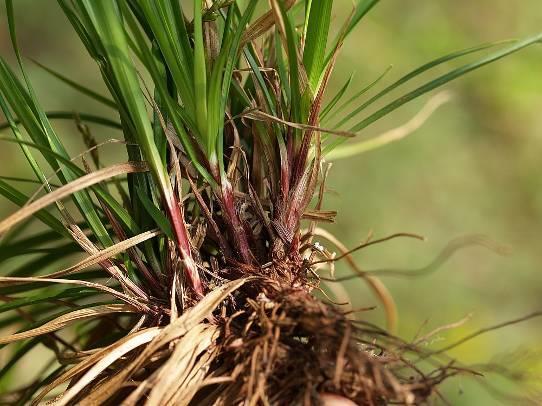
(198, 284)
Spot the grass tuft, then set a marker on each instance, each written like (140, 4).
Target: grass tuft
(199, 271)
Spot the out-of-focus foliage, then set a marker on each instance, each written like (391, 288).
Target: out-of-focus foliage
(473, 168)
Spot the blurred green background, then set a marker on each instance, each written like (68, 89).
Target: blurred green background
(474, 167)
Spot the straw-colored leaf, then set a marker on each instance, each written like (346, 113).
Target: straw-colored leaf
(179, 368)
(106, 253)
(396, 134)
(119, 347)
(67, 319)
(378, 288)
(113, 355)
(69, 189)
(263, 24)
(173, 331)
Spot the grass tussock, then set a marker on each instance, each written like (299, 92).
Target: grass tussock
(198, 282)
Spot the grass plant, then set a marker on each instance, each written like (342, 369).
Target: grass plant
(200, 268)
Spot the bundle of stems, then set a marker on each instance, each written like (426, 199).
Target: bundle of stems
(197, 284)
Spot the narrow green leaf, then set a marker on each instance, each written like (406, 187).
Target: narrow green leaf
(40, 127)
(317, 31)
(179, 58)
(200, 80)
(174, 112)
(293, 60)
(161, 221)
(441, 80)
(70, 115)
(433, 84)
(415, 73)
(338, 96)
(73, 293)
(224, 67)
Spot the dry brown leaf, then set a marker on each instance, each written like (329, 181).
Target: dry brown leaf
(262, 24)
(374, 283)
(185, 394)
(69, 189)
(113, 355)
(69, 318)
(127, 284)
(187, 321)
(105, 253)
(180, 367)
(262, 116)
(91, 360)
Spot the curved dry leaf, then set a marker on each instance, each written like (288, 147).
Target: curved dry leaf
(374, 283)
(262, 116)
(179, 368)
(79, 184)
(178, 328)
(109, 358)
(395, 134)
(262, 24)
(69, 318)
(91, 360)
(106, 253)
(84, 242)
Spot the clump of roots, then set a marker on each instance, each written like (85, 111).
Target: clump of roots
(262, 338)
(252, 341)
(287, 347)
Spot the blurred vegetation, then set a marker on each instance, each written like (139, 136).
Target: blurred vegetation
(474, 167)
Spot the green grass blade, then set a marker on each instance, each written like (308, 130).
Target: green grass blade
(441, 80)
(83, 201)
(178, 116)
(200, 81)
(222, 75)
(160, 15)
(12, 123)
(317, 32)
(435, 83)
(293, 60)
(34, 240)
(72, 116)
(415, 73)
(159, 218)
(338, 96)
(282, 68)
(72, 293)
(110, 28)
